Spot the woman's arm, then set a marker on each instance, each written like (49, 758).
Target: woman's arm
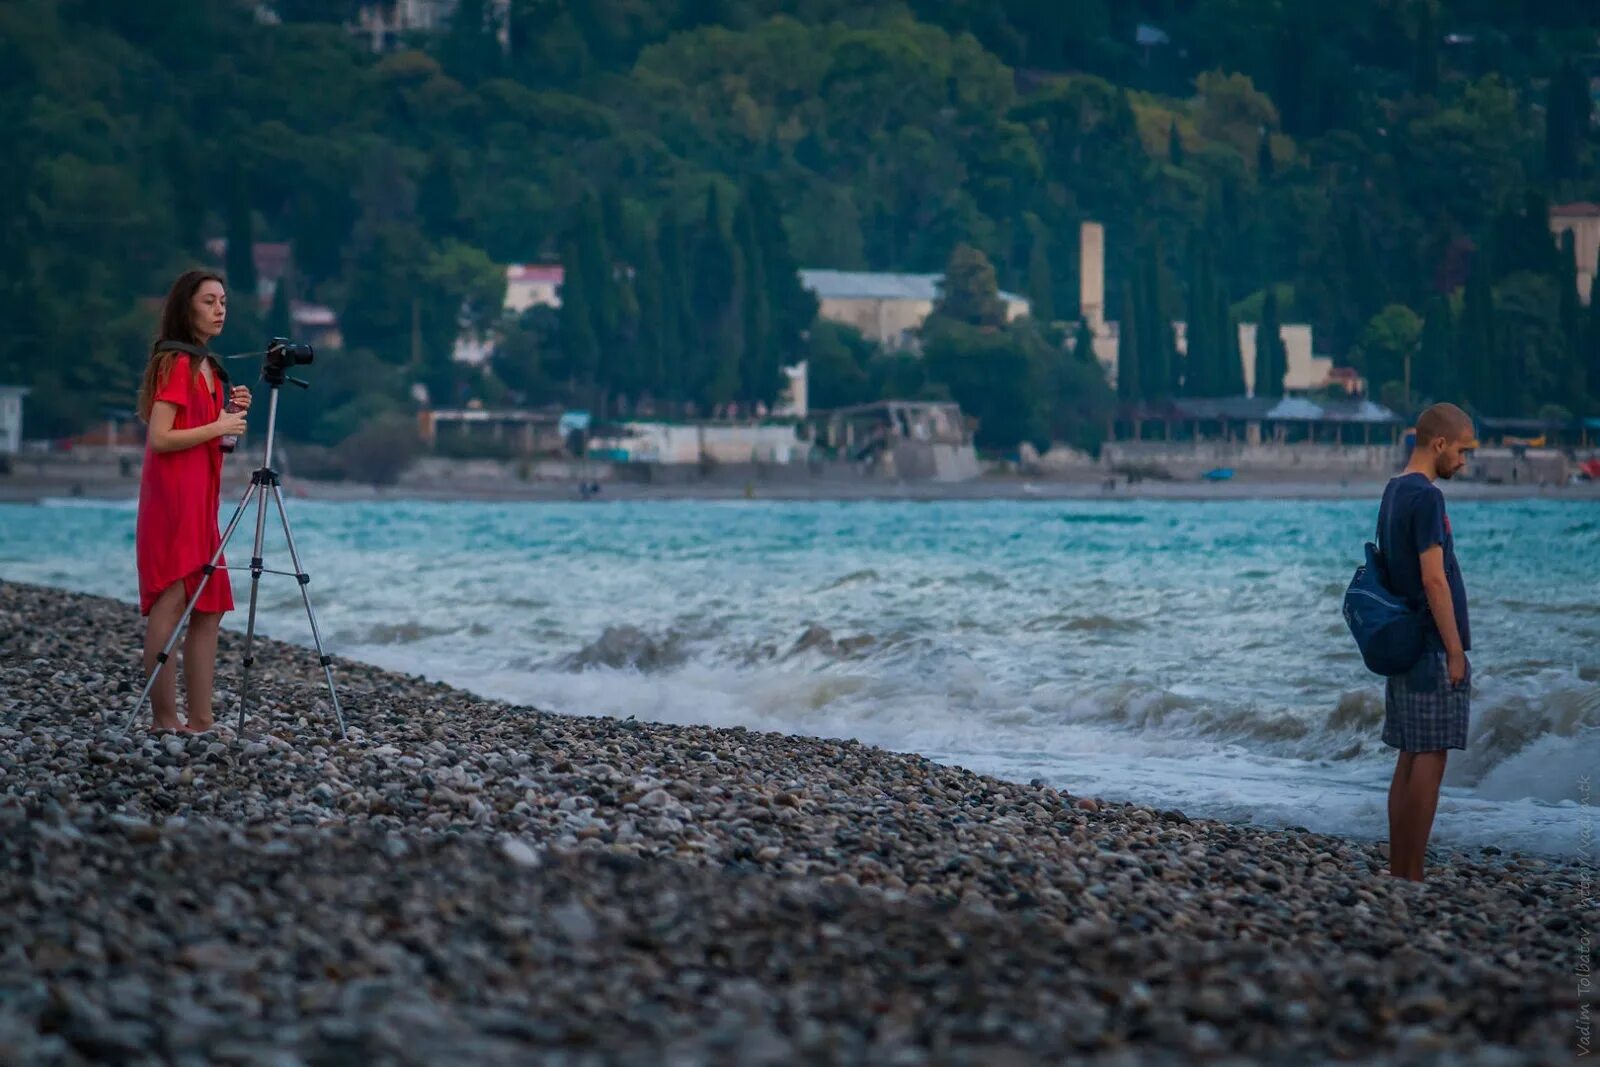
(163, 438)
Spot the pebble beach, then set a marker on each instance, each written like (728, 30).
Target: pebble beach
(467, 881)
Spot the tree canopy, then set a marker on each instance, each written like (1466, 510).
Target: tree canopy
(684, 158)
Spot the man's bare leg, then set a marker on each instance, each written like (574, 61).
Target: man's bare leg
(1399, 845)
(1422, 800)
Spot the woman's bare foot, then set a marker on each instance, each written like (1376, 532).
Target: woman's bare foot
(195, 725)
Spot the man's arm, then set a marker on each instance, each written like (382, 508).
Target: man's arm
(1437, 587)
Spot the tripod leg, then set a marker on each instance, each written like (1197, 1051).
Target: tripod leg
(256, 567)
(304, 579)
(183, 620)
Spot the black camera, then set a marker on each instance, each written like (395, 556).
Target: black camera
(282, 354)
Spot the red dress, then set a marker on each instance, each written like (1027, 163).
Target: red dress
(179, 493)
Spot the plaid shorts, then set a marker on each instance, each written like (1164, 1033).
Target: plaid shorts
(1422, 711)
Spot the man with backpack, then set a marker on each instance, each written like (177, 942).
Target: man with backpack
(1426, 707)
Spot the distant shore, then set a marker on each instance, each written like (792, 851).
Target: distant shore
(1085, 485)
(462, 880)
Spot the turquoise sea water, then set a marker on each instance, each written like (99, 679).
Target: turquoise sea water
(1189, 655)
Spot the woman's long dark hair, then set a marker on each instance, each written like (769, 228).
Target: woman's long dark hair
(177, 324)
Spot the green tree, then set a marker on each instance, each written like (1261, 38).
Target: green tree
(1130, 378)
(761, 372)
(1157, 355)
(280, 322)
(1434, 375)
(996, 375)
(717, 300)
(580, 345)
(838, 359)
(1041, 279)
(678, 335)
(1592, 345)
(1567, 110)
(1531, 367)
(1388, 344)
(1083, 346)
(968, 292)
(1272, 358)
(1478, 356)
(1174, 145)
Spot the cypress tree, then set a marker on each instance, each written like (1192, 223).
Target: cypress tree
(1477, 341)
(1129, 378)
(599, 290)
(1235, 357)
(1433, 375)
(717, 301)
(437, 201)
(677, 317)
(280, 322)
(1041, 280)
(1425, 54)
(650, 291)
(760, 371)
(240, 261)
(1567, 110)
(1571, 313)
(1174, 145)
(579, 345)
(1156, 354)
(1270, 357)
(1593, 343)
(1264, 161)
(1200, 335)
(1230, 368)
(1083, 344)
(791, 306)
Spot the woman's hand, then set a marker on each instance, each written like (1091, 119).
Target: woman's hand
(239, 396)
(229, 422)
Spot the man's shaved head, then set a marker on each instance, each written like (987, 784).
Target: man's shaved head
(1443, 420)
(1444, 434)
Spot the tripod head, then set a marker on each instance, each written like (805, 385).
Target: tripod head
(281, 354)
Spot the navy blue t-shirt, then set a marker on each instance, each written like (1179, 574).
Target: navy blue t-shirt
(1412, 520)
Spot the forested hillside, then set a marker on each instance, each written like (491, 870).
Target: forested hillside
(1382, 167)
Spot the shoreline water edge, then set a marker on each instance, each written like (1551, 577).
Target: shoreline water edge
(466, 880)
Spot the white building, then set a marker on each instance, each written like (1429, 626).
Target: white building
(385, 23)
(1583, 219)
(11, 397)
(529, 284)
(887, 307)
(1305, 370)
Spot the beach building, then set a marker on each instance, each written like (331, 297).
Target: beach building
(11, 398)
(521, 431)
(1583, 219)
(1260, 420)
(887, 307)
(906, 439)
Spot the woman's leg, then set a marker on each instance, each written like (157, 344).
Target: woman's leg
(164, 616)
(200, 667)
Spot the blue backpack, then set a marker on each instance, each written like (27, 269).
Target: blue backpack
(1390, 632)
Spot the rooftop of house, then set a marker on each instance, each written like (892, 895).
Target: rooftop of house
(1581, 209)
(535, 272)
(879, 285)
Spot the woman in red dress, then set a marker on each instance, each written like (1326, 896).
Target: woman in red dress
(181, 400)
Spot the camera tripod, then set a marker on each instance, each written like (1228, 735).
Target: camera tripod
(263, 481)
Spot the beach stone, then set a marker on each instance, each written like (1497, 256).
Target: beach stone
(467, 881)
